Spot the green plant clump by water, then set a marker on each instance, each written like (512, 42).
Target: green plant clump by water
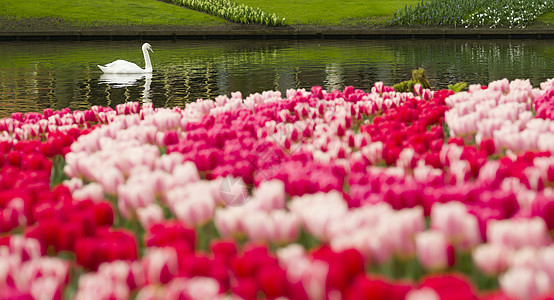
(232, 11)
(458, 87)
(472, 13)
(418, 76)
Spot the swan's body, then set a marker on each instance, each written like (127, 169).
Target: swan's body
(125, 67)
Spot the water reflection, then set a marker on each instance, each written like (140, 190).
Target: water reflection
(128, 80)
(38, 75)
(146, 91)
(120, 80)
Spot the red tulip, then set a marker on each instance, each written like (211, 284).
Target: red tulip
(272, 281)
(246, 288)
(376, 288)
(450, 287)
(224, 251)
(169, 233)
(106, 245)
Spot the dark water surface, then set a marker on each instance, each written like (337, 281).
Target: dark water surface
(38, 75)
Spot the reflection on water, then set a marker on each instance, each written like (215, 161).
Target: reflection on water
(121, 80)
(38, 75)
(128, 80)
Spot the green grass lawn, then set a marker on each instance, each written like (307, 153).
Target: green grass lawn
(112, 12)
(153, 12)
(547, 18)
(329, 12)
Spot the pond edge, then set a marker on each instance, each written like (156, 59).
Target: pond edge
(281, 33)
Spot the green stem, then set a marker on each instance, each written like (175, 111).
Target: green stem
(57, 174)
(73, 284)
(307, 240)
(464, 262)
(205, 234)
(118, 220)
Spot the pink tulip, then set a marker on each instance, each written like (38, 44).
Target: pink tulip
(110, 180)
(427, 94)
(168, 162)
(270, 195)
(424, 293)
(286, 227)
(491, 259)
(518, 233)
(46, 288)
(359, 240)
(185, 173)
(25, 248)
(379, 87)
(131, 197)
(43, 277)
(547, 84)
(160, 265)
(194, 209)
(452, 219)
(418, 89)
(149, 215)
(288, 255)
(92, 191)
(257, 226)
(318, 211)
(150, 292)
(381, 247)
(500, 85)
(312, 274)
(228, 220)
(525, 283)
(373, 152)
(129, 274)
(159, 180)
(74, 183)
(433, 250)
(402, 227)
(195, 288)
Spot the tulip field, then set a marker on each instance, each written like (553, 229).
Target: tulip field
(313, 195)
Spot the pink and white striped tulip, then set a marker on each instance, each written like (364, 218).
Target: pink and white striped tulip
(432, 250)
(452, 219)
(491, 259)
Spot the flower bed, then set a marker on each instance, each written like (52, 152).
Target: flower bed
(232, 11)
(458, 13)
(315, 195)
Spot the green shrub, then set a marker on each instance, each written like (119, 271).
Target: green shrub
(458, 87)
(418, 76)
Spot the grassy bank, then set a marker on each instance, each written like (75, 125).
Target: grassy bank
(32, 15)
(157, 13)
(330, 12)
(97, 13)
(547, 18)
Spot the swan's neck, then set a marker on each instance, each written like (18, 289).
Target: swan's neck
(148, 64)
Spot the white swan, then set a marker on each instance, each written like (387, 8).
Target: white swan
(125, 67)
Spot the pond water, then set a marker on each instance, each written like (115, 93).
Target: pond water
(38, 75)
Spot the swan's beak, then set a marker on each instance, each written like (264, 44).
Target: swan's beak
(151, 50)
